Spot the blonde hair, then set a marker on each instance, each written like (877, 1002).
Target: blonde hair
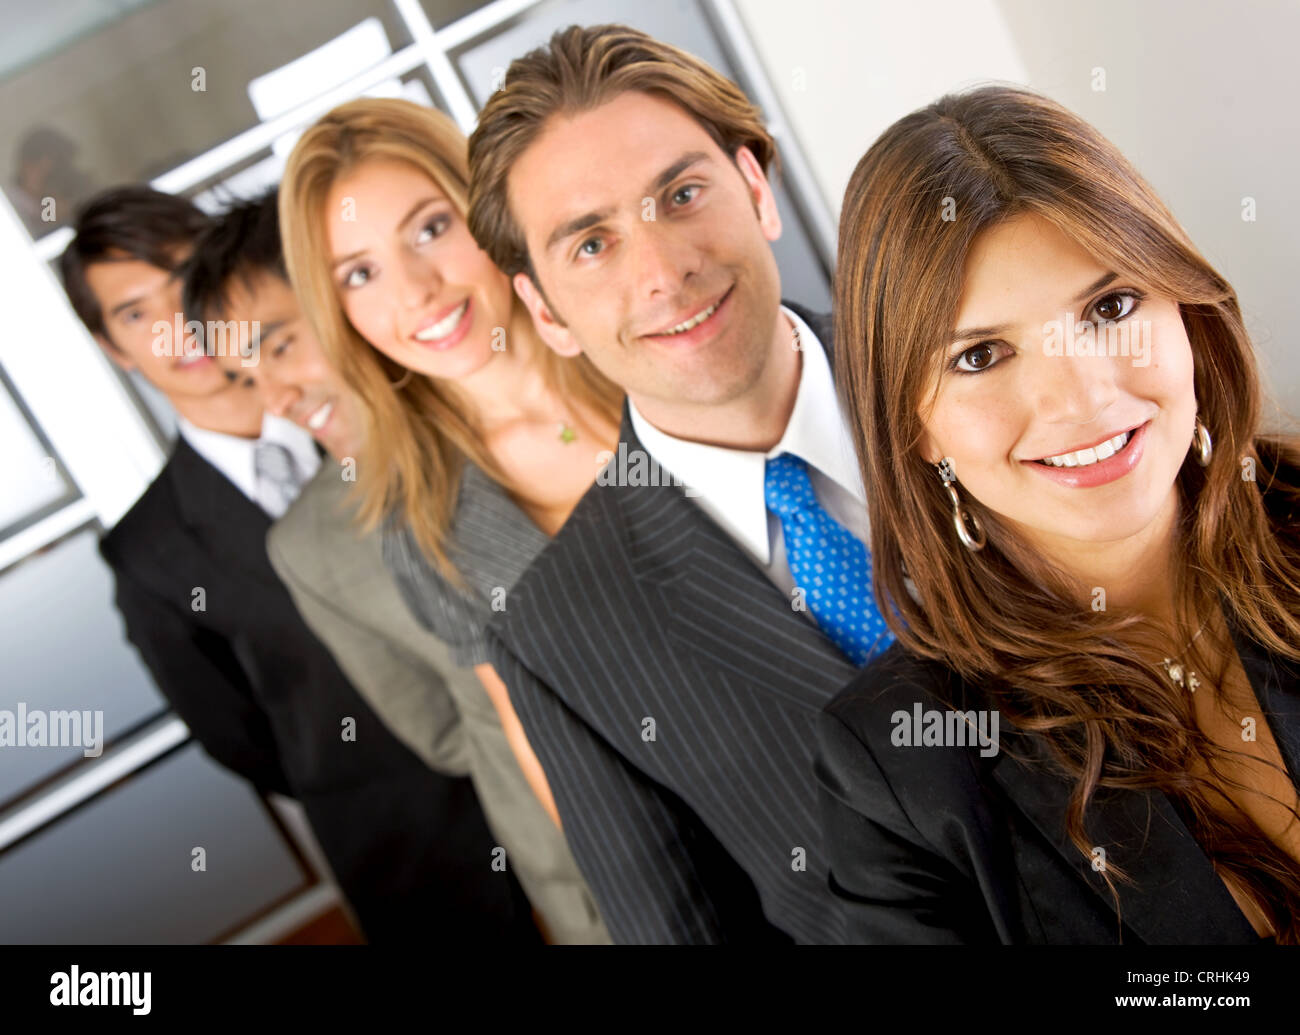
(417, 435)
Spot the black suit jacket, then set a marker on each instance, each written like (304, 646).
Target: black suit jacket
(226, 646)
(944, 845)
(640, 617)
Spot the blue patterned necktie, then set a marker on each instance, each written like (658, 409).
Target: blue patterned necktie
(827, 561)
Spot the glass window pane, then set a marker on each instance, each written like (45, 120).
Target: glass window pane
(36, 484)
(443, 12)
(263, 170)
(159, 85)
(118, 869)
(65, 650)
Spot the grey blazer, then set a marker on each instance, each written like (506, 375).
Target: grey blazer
(346, 595)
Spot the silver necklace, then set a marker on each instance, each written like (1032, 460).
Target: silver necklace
(1182, 676)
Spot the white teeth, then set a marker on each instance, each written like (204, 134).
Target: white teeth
(444, 326)
(694, 321)
(1087, 457)
(321, 417)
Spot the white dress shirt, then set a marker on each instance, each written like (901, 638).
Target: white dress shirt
(729, 484)
(234, 457)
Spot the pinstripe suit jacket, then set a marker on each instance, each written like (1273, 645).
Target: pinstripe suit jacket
(671, 693)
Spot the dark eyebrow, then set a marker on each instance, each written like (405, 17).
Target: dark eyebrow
(422, 203)
(576, 226)
(988, 332)
(121, 307)
(1097, 286)
(416, 208)
(675, 170)
(590, 219)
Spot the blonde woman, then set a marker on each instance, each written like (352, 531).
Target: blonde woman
(478, 439)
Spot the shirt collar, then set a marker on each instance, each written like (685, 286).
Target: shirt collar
(296, 439)
(234, 457)
(729, 483)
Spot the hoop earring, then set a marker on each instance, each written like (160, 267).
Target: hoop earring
(1204, 446)
(962, 518)
(401, 382)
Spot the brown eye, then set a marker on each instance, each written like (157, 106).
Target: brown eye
(979, 358)
(1114, 307)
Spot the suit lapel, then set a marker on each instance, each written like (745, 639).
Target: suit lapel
(723, 610)
(227, 525)
(490, 533)
(1175, 898)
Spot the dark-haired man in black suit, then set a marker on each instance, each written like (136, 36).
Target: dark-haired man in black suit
(220, 633)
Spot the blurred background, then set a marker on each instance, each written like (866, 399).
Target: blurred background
(205, 100)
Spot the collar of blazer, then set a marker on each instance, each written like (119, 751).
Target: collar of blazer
(227, 524)
(492, 540)
(710, 602)
(491, 533)
(1176, 898)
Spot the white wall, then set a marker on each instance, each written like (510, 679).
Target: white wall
(1203, 97)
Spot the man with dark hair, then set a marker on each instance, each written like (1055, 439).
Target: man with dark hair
(220, 633)
(121, 275)
(338, 579)
(669, 650)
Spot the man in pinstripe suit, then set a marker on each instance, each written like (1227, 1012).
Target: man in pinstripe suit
(660, 651)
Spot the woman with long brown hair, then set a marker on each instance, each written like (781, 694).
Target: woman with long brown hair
(1089, 729)
(478, 439)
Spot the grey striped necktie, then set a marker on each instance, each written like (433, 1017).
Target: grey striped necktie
(278, 480)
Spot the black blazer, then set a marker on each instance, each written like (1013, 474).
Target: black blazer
(643, 609)
(944, 845)
(409, 846)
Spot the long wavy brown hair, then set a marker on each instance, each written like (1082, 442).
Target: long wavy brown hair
(418, 434)
(1092, 687)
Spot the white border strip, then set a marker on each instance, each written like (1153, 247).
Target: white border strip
(480, 22)
(299, 911)
(453, 91)
(19, 545)
(87, 781)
